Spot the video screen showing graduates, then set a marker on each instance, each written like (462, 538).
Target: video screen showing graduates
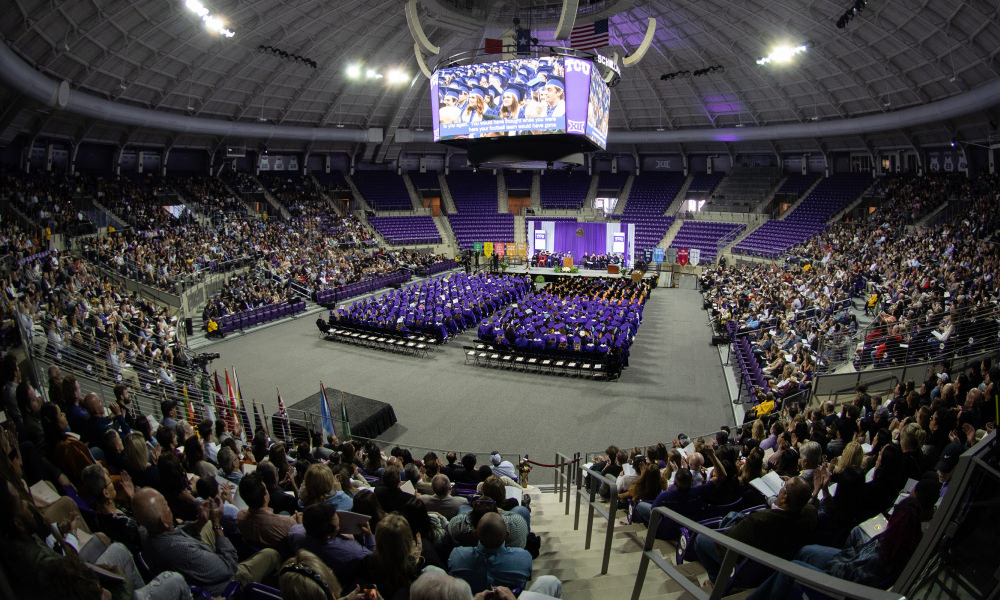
(529, 96)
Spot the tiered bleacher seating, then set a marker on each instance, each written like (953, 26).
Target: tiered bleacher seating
(705, 183)
(705, 236)
(796, 184)
(650, 197)
(383, 190)
(256, 316)
(400, 231)
(518, 181)
(331, 296)
(334, 180)
(563, 191)
(809, 218)
(425, 181)
(752, 377)
(611, 181)
(482, 227)
(473, 192)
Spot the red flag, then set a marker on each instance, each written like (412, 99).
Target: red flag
(682, 256)
(235, 409)
(493, 46)
(220, 406)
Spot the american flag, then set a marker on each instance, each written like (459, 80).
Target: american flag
(590, 36)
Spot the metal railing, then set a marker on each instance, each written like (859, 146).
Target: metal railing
(734, 551)
(566, 471)
(593, 505)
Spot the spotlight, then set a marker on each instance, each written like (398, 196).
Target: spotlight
(954, 142)
(353, 71)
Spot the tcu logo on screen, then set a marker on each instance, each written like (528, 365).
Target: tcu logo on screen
(577, 65)
(575, 127)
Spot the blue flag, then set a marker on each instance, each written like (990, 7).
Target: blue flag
(523, 41)
(324, 407)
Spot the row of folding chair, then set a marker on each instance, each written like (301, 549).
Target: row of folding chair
(417, 345)
(484, 355)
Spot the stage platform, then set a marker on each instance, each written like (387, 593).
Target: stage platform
(548, 271)
(368, 417)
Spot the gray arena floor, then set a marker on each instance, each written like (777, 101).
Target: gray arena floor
(674, 384)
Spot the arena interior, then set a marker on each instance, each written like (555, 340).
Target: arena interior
(413, 299)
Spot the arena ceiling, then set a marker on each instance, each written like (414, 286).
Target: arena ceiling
(156, 54)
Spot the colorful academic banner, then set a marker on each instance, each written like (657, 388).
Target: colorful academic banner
(501, 249)
(683, 254)
(488, 248)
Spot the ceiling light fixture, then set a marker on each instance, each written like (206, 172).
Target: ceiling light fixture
(212, 23)
(353, 71)
(373, 74)
(782, 54)
(398, 76)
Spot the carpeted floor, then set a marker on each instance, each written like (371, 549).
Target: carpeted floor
(674, 384)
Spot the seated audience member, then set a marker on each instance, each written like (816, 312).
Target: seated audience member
(96, 424)
(875, 561)
(210, 489)
(194, 457)
(136, 460)
(442, 502)
(468, 473)
(502, 468)
(107, 517)
(395, 563)
(305, 577)
(197, 550)
(319, 533)
(680, 496)
(792, 515)
(320, 485)
(229, 466)
(438, 585)
(66, 452)
(176, 487)
(259, 525)
(387, 490)
(490, 562)
(278, 499)
(462, 527)
(33, 570)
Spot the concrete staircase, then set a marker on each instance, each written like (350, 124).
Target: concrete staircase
(671, 233)
(678, 202)
(334, 206)
(623, 197)
(411, 189)
(277, 206)
(447, 235)
(447, 201)
(360, 204)
(520, 230)
(563, 555)
(503, 194)
(536, 193)
(588, 200)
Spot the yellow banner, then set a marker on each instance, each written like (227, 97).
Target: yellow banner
(488, 248)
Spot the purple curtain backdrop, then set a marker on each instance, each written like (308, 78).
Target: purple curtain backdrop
(594, 240)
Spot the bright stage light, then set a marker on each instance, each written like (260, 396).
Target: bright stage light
(373, 74)
(782, 54)
(353, 71)
(398, 76)
(212, 22)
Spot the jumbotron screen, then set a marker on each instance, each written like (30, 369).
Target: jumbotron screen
(530, 96)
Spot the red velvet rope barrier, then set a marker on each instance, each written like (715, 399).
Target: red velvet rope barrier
(538, 464)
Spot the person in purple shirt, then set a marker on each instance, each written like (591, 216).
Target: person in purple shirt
(319, 533)
(772, 440)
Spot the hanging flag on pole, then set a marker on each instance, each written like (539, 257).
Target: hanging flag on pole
(235, 410)
(224, 413)
(324, 408)
(589, 37)
(284, 432)
(258, 422)
(206, 403)
(345, 421)
(267, 428)
(192, 418)
(243, 413)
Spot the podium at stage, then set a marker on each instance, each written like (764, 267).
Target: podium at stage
(567, 262)
(613, 269)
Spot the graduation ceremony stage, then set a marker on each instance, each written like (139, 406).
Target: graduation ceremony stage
(368, 418)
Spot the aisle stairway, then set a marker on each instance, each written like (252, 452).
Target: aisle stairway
(564, 556)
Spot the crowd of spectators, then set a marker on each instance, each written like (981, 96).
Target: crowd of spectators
(209, 194)
(297, 194)
(919, 285)
(137, 204)
(209, 508)
(839, 466)
(49, 201)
